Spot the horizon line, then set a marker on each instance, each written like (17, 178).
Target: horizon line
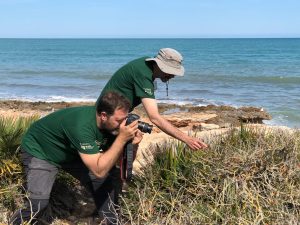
(279, 37)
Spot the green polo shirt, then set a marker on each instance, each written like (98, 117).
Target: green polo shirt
(133, 80)
(59, 136)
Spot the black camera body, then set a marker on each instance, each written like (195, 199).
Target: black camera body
(142, 126)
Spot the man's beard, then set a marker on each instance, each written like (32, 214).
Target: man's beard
(114, 131)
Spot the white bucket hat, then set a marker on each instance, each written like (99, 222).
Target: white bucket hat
(169, 61)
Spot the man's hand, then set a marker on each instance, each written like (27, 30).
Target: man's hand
(127, 133)
(138, 137)
(195, 143)
(135, 142)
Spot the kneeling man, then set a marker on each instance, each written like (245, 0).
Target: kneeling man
(84, 141)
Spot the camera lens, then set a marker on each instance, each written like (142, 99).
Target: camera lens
(144, 127)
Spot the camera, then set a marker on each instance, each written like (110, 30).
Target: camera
(126, 164)
(142, 126)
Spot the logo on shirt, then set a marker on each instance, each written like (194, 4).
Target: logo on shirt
(148, 91)
(86, 146)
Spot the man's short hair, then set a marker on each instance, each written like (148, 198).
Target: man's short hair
(111, 101)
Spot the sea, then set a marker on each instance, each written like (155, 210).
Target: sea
(258, 72)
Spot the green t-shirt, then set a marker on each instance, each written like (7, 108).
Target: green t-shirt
(133, 80)
(59, 136)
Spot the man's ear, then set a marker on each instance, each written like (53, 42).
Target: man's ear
(103, 116)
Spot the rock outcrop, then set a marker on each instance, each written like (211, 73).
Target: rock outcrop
(198, 118)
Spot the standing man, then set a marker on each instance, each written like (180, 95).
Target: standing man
(84, 141)
(135, 81)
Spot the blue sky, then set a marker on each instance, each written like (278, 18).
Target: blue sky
(155, 18)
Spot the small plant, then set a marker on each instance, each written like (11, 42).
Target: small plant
(11, 132)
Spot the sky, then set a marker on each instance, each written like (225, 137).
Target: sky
(149, 19)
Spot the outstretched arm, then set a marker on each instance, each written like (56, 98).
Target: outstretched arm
(151, 108)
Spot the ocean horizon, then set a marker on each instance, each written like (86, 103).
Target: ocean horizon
(258, 72)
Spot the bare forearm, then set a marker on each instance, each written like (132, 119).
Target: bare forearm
(152, 111)
(107, 160)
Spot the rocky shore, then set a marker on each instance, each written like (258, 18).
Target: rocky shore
(186, 116)
(202, 120)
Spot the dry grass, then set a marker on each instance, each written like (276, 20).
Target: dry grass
(246, 177)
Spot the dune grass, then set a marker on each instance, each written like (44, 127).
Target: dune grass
(247, 176)
(11, 132)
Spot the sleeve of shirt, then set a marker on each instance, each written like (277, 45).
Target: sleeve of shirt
(144, 87)
(83, 140)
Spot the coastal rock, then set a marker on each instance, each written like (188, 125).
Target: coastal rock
(209, 117)
(207, 126)
(229, 115)
(186, 119)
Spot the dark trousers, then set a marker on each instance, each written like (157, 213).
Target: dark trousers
(40, 177)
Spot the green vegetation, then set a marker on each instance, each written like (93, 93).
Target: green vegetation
(11, 132)
(247, 176)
